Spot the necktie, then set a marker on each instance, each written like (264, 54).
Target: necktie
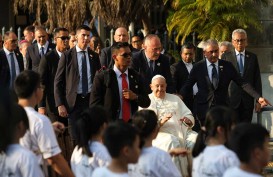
(13, 70)
(214, 76)
(151, 65)
(125, 102)
(84, 75)
(42, 51)
(241, 66)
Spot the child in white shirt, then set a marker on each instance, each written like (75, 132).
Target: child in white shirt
(123, 143)
(153, 162)
(15, 160)
(251, 144)
(90, 153)
(211, 156)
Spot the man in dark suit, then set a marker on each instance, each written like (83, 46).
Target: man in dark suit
(150, 62)
(47, 70)
(247, 64)
(108, 87)
(180, 72)
(74, 77)
(11, 60)
(213, 77)
(37, 50)
(121, 35)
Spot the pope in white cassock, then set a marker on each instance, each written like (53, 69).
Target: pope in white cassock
(175, 119)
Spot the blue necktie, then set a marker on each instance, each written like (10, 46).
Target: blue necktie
(214, 76)
(13, 70)
(151, 66)
(84, 75)
(241, 66)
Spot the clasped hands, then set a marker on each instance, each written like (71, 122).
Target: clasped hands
(129, 94)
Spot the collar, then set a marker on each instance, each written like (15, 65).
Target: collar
(79, 50)
(45, 46)
(237, 53)
(117, 71)
(209, 63)
(59, 53)
(187, 64)
(7, 51)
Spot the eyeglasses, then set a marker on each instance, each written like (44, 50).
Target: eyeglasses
(213, 51)
(239, 40)
(126, 55)
(64, 38)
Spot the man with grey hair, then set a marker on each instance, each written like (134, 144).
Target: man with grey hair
(39, 49)
(213, 77)
(150, 62)
(121, 35)
(224, 47)
(247, 64)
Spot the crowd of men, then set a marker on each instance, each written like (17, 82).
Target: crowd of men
(75, 73)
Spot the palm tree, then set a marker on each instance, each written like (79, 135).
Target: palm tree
(72, 13)
(212, 18)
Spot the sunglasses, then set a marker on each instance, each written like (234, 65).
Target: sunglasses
(64, 37)
(14, 41)
(126, 55)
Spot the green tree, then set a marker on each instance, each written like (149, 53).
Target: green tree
(212, 18)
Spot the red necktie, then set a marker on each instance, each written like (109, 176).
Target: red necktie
(125, 102)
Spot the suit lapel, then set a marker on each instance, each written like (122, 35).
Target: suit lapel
(115, 86)
(247, 61)
(75, 60)
(132, 80)
(206, 73)
(36, 51)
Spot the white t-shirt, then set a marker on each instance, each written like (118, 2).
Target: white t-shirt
(237, 172)
(214, 161)
(154, 162)
(19, 162)
(40, 138)
(105, 172)
(82, 165)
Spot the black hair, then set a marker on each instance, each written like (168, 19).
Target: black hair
(30, 28)
(245, 137)
(118, 135)
(11, 114)
(89, 123)
(216, 116)
(187, 46)
(146, 121)
(117, 45)
(26, 83)
(83, 27)
(57, 30)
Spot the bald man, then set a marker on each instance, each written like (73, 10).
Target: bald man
(121, 35)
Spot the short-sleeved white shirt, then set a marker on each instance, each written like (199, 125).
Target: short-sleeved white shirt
(19, 162)
(237, 172)
(214, 161)
(154, 162)
(40, 138)
(82, 165)
(105, 172)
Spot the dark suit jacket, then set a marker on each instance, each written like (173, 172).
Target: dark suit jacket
(180, 75)
(106, 57)
(67, 77)
(47, 70)
(251, 75)
(207, 96)
(4, 67)
(33, 57)
(162, 67)
(105, 92)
